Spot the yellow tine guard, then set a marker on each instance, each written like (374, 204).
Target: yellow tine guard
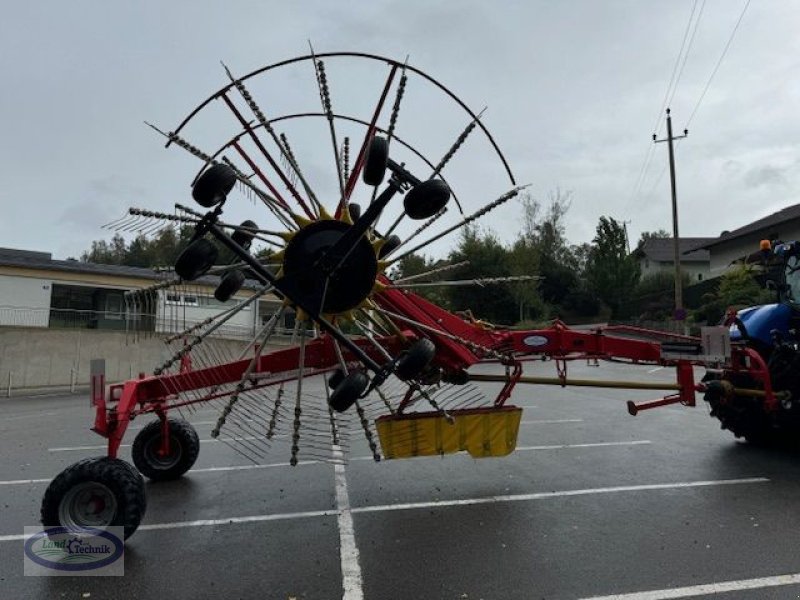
(482, 432)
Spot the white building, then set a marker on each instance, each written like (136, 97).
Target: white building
(734, 246)
(656, 255)
(38, 291)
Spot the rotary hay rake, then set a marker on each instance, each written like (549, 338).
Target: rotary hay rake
(367, 355)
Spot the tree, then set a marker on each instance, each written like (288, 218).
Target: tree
(659, 234)
(106, 253)
(487, 258)
(737, 289)
(544, 235)
(611, 271)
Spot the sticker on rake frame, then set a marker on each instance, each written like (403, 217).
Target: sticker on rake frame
(535, 341)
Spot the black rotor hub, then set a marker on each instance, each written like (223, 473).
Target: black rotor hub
(307, 264)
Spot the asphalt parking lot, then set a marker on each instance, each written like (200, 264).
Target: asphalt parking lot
(593, 504)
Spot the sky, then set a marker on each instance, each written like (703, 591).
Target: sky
(573, 90)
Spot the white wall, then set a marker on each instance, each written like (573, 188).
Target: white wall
(191, 308)
(693, 269)
(24, 301)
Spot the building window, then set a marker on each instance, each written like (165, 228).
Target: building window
(699, 277)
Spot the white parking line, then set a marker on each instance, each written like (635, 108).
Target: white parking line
(550, 421)
(351, 458)
(104, 446)
(705, 589)
(443, 504)
(23, 481)
(561, 494)
(348, 551)
(588, 445)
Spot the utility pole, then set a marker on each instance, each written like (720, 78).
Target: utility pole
(679, 312)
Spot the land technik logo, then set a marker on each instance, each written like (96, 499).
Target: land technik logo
(61, 551)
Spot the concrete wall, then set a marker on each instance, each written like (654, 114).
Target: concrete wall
(46, 359)
(25, 301)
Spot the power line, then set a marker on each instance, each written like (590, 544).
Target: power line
(688, 50)
(719, 62)
(677, 69)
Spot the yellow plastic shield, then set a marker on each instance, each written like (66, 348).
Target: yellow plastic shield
(482, 432)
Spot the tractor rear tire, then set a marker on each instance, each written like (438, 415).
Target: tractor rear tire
(95, 493)
(184, 446)
(743, 416)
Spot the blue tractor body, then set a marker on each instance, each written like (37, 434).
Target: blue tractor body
(760, 321)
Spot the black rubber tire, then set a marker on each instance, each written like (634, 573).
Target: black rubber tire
(335, 378)
(743, 416)
(426, 199)
(184, 448)
(244, 235)
(414, 359)
(376, 161)
(348, 391)
(119, 477)
(355, 211)
(389, 246)
(230, 283)
(214, 185)
(196, 259)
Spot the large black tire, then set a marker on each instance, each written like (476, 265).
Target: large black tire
(426, 199)
(184, 447)
(196, 259)
(376, 161)
(214, 185)
(95, 493)
(413, 361)
(230, 283)
(743, 416)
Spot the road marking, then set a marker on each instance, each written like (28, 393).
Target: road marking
(21, 417)
(24, 481)
(352, 584)
(436, 504)
(194, 423)
(531, 448)
(211, 441)
(351, 458)
(656, 370)
(705, 589)
(561, 494)
(550, 421)
(193, 471)
(588, 445)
